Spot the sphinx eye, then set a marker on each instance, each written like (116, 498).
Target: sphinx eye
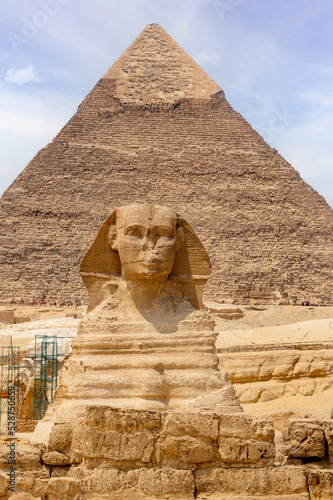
(165, 232)
(135, 231)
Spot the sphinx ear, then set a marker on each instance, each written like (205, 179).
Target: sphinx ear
(112, 237)
(180, 236)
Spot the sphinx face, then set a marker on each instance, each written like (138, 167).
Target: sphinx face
(147, 239)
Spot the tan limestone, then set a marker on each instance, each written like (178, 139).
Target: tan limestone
(320, 484)
(183, 459)
(24, 496)
(305, 439)
(174, 75)
(145, 342)
(3, 484)
(268, 483)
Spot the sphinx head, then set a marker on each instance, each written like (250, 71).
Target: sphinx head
(147, 238)
(146, 242)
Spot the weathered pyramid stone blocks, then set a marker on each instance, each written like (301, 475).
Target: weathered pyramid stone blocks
(157, 129)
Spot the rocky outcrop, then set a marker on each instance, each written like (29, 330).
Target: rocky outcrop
(263, 374)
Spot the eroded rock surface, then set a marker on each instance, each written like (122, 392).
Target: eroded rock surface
(145, 342)
(135, 454)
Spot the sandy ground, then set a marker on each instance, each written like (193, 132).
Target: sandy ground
(273, 316)
(314, 330)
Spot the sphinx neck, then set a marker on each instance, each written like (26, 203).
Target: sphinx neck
(145, 292)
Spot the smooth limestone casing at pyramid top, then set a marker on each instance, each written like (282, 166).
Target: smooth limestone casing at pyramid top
(157, 129)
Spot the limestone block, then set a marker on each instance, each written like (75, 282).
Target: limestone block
(64, 488)
(25, 496)
(266, 482)
(320, 484)
(307, 387)
(123, 421)
(246, 440)
(237, 451)
(327, 426)
(304, 438)
(105, 480)
(328, 429)
(55, 458)
(61, 437)
(42, 432)
(246, 427)
(248, 393)
(139, 484)
(27, 456)
(25, 482)
(103, 443)
(183, 451)
(271, 392)
(60, 471)
(3, 484)
(166, 481)
(67, 438)
(283, 364)
(301, 368)
(7, 316)
(192, 424)
(318, 368)
(41, 486)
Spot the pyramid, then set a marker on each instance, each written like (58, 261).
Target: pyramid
(157, 129)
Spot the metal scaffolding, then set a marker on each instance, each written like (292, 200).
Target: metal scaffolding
(31, 399)
(45, 376)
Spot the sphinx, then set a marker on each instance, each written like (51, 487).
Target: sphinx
(146, 341)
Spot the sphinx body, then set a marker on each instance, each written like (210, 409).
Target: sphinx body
(145, 342)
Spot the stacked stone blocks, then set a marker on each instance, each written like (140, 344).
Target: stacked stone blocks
(136, 454)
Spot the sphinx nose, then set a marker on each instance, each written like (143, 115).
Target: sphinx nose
(149, 241)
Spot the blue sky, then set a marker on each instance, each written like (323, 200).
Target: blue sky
(273, 59)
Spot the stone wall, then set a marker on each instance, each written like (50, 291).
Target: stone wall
(130, 454)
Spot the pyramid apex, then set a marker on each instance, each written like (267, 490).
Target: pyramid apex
(155, 68)
(153, 24)
(153, 27)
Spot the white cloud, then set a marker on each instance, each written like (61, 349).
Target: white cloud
(22, 75)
